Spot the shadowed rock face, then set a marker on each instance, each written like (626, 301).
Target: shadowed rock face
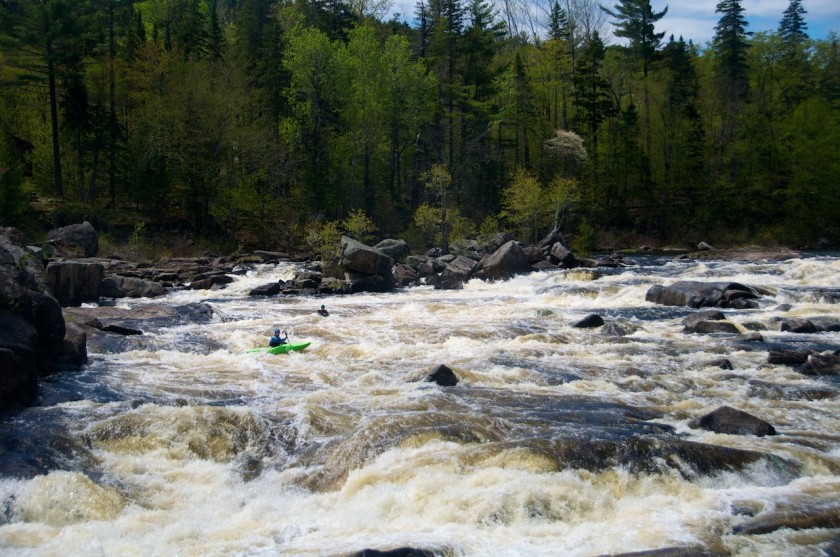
(32, 329)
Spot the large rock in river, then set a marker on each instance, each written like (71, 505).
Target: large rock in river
(505, 262)
(117, 286)
(696, 294)
(357, 257)
(729, 420)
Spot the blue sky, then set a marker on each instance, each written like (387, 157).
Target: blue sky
(696, 19)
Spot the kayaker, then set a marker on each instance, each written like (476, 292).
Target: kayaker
(276, 340)
(323, 311)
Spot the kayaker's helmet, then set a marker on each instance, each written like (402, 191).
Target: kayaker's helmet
(277, 332)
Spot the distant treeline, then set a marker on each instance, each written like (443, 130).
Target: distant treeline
(270, 121)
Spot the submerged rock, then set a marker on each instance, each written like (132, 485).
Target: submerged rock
(443, 376)
(399, 552)
(736, 422)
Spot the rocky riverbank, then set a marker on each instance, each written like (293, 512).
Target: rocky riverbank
(43, 330)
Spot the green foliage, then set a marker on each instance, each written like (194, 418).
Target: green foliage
(427, 220)
(245, 120)
(524, 205)
(489, 226)
(584, 241)
(359, 226)
(324, 239)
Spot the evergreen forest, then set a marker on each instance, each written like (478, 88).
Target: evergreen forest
(284, 123)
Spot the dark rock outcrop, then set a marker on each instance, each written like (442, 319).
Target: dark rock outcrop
(405, 275)
(117, 286)
(82, 236)
(736, 422)
(366, 269)
(33, 336)
(703, 294)
(443, 376)
(75, 282)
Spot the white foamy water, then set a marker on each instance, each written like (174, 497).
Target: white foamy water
(185, 444)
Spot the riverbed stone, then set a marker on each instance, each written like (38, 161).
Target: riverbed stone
(732, 421)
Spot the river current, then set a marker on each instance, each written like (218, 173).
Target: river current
(179, 442)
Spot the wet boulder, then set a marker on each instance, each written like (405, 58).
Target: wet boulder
(364, 282)
(505, 262)
(116, 286)
(270, 289)
(787, 357)
(399, 552)
(696, 294)
(459, 269)
(404, 275)
(443, 376)
(591, 321)
(708, 322)
(732, 421)
(796, 325)
(83, 236)
(822, 364)
(561, 256)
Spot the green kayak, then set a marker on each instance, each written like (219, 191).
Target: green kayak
(283, 348)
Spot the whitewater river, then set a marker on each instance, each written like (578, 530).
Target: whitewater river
(558, 441)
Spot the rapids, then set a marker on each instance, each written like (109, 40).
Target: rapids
(178, 442)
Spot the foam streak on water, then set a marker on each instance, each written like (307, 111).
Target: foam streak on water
(183, 443)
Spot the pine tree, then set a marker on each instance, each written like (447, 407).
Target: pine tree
(792, 26)
(730, 43)
(635, 20)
